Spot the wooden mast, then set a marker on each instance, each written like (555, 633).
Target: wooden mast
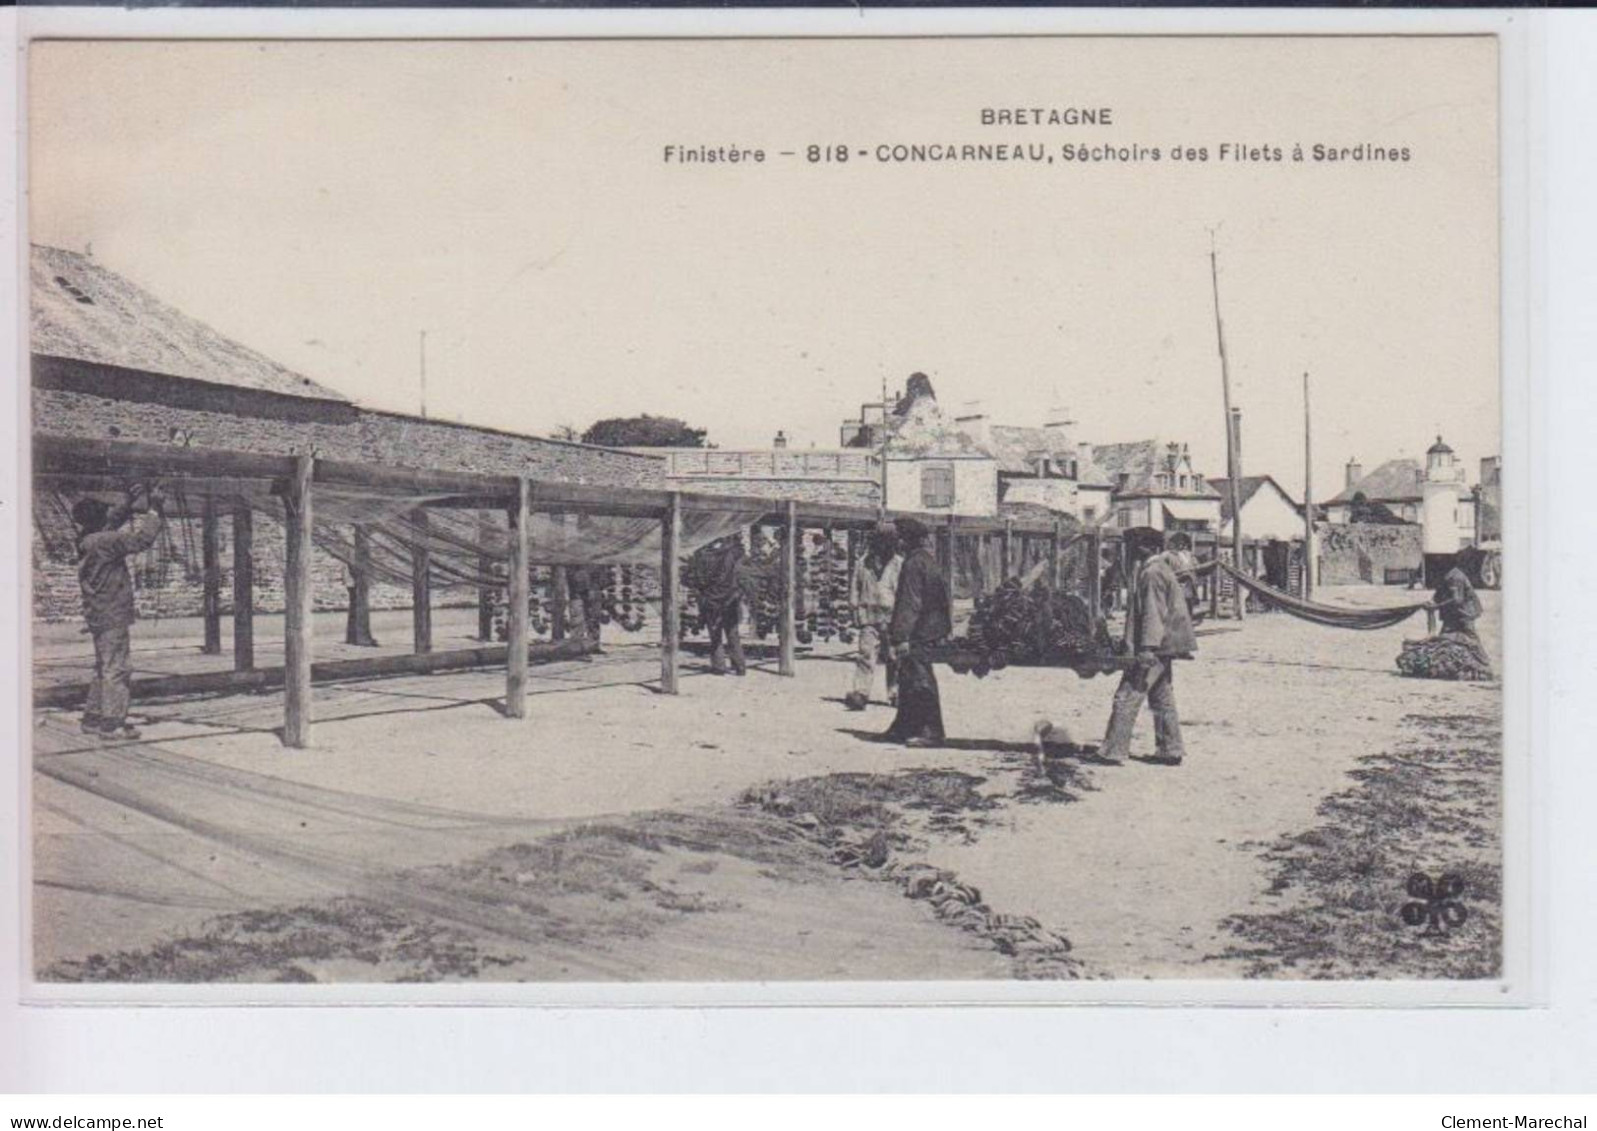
(1232, 470)
(1308, 497)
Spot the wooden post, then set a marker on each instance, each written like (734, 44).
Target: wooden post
(1233, 461)
(949, 556)
(559, 602)
(211, 565)
(1008, 566)
(516, 600)
(297, 592)
(670, 612)
(421, 590)
(1055, 537)
(787, 629)
(243, 586)
(485, 593)
(1095, 572)
(360, 570)
(1308, 497)
(1215, 578)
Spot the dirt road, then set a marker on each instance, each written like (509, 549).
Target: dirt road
(389, 851)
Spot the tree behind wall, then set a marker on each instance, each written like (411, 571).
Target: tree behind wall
(644, 432)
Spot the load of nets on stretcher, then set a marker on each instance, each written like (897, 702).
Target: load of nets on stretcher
(1030, 626)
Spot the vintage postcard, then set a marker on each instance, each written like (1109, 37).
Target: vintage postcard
(986, 514)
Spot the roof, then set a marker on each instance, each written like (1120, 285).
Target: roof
(1396, 480)
(1016, 448)
(1438, 448)
(85, 312)
(1247, 487)
(1139, 461)
(924, 431)
(1036, 512)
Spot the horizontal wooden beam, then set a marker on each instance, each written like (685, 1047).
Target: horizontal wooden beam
(414, 481)
(123, 459)
(326, 671)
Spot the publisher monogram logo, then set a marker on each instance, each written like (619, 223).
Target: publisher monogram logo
(1435, 905)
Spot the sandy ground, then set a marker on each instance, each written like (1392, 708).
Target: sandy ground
(158, 858)
(62, 653)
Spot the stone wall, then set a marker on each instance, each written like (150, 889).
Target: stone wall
(1361, 552)
(846, 492)
(76, 399)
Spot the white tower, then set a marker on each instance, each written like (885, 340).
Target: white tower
(1439, 500)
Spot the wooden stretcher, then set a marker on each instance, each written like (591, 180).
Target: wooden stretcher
(962, 658)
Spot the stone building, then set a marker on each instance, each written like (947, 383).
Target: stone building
(112, 361)
(1434, 496)
(1154, 484)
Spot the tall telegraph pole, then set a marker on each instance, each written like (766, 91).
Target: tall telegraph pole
(1308, 497)
(424, 374)
(884, 449)
(1232, 470)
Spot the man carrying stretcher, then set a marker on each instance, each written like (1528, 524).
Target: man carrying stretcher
(1158, 632)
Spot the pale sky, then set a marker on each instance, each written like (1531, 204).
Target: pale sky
(323, 203)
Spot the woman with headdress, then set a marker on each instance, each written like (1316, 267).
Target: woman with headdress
(1456, 651)
(872, 591)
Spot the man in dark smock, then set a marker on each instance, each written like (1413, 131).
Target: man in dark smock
(107, 589)
(720, 597)
(920, 618)
(1159, 632)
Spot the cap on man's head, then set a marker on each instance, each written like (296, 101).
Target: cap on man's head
(89, 515)
(1143, 540)
(1180, 540)
(911, 531)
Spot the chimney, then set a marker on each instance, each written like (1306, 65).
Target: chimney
(972, 420)
(1355, 472)
(1236, 436)
(781, 440)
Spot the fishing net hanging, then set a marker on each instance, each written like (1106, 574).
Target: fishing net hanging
(1330, 616)
(613, 560)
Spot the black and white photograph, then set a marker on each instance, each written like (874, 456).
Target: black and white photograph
(984, 512)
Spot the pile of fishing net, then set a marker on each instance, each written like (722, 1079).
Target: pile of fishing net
(1036, 626)
(1444, 657)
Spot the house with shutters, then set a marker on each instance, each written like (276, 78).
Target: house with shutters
(933, 464)
(1153, 483)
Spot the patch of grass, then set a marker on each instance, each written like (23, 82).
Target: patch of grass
(1433, 808)
(275, 945)
(866, 800)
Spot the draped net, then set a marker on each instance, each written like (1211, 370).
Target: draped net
(463, 545)
(1331, 616)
